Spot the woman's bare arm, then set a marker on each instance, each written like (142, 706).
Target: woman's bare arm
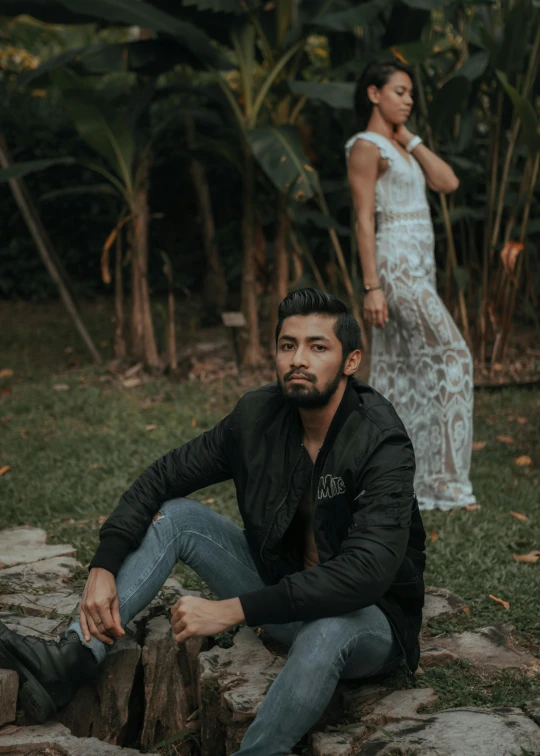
(439, 176)
(363, 171)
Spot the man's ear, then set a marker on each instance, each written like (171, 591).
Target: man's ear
(352, 363)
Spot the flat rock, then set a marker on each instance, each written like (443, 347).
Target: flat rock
(439, 601)
(532, 709)
(436, 657)
(458, 732)
(402, 704)
(53, 739)
(48, 573)
(487, 647)
(232, 685)
(9, 688)
(62, 602)
(334, 743)
(27, 545)
(42, 627)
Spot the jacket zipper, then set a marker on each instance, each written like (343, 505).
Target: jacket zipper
(281, 503)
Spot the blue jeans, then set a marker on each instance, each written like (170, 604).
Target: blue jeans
(355, 645)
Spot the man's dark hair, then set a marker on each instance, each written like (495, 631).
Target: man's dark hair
(309, 301)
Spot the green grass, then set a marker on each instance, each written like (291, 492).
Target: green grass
(73, 452)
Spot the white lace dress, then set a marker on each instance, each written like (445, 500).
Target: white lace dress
(420, 360)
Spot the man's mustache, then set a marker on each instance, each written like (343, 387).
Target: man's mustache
(308, 376)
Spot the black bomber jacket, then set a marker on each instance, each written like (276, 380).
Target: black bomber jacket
(366, 522)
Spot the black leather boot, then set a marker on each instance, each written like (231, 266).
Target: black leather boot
(49, 671)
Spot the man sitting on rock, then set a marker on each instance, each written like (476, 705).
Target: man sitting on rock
(331, 557)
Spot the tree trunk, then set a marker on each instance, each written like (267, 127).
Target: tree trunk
(144, 341)
(215, 284)
(119, 342)
(280, 283)
(252, 357)
(46, 251)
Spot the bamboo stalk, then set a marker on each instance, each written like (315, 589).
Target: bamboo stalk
(44, 246)
(119, 341)
(343, 267)
(508, 316)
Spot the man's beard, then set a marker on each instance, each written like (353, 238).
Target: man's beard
(307, 395)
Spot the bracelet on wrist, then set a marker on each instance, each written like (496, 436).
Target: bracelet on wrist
(413, 144)
(367, 289)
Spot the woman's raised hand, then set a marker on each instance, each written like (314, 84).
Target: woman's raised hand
(375, 308)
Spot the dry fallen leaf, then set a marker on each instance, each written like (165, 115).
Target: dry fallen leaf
(473, 507)
(519, 516)
(434, 536)
(208, 501)
(509, 255)
(150, 427)
(499, 601)
(528, 558)
(523, 461)
(131, 382)
(505, 439)
(479, 445)
(522, 420)
(4, 469)
(193, 422)
(6, 391)
(466, 610)
(6, 373)
(61, 387)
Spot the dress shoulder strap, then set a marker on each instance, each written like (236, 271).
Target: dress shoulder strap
(385, 148)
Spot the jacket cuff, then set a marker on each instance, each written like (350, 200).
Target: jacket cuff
(111, 552)
(271, 605)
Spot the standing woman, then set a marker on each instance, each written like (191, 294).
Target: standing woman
(420, 360)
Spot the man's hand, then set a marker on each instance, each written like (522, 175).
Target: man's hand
(99, 612)
(192, 616)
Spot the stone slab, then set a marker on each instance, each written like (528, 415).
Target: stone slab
(458, 732)
(42, 627)
(9, 688)
(436, 657)
(440, 601)
(402, 704)
(27, 545)
(54, 739)
(232, 684)
(48, 573)
(487, 647)
(64, 603)
(532, 709)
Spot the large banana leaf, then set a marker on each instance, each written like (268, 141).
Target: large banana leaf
(414, 53)
(221, 6)
(99, 124)
(425, 4)
(305, 215)
(475, 66)
(32, 166)
(359, 15)
(279, 151)
(335, 94)
(45, 10)
(525, 110)
(137, 12)
(150, 57)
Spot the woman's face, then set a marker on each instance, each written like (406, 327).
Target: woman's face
(395, 99)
